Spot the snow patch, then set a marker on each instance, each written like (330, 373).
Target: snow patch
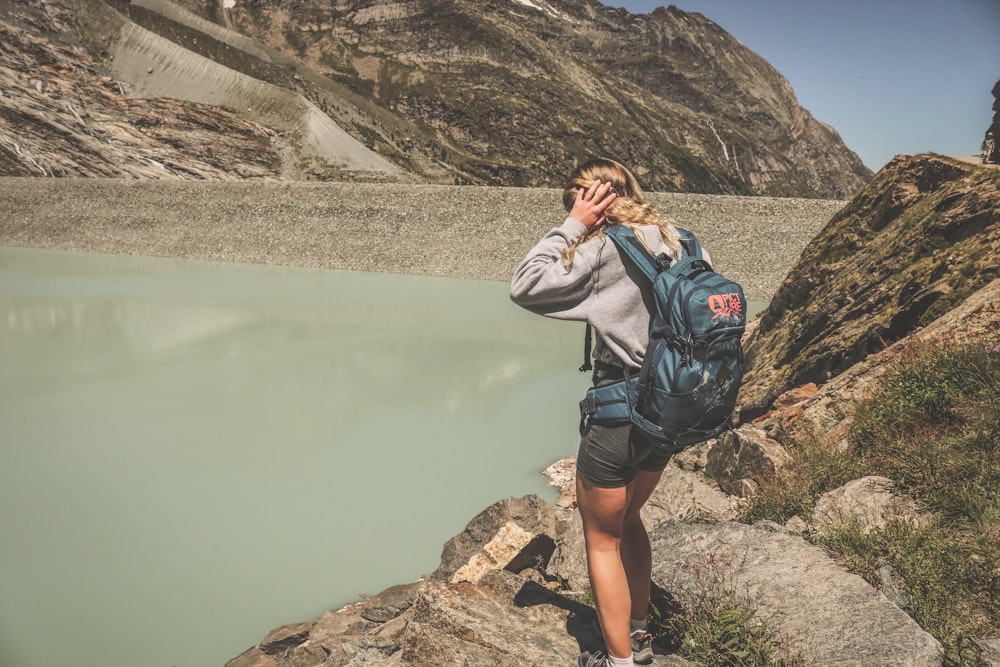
(542, 8)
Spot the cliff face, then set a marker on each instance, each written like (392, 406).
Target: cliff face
(62, 114)
(444, 91)
(911, 246)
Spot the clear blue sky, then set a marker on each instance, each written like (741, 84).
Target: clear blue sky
(891, 76)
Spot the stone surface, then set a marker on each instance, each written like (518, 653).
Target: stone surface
(991, 651)
(870, 502)
(823, 613)
(829, 413)
(516, 518)
(741, 460)
(919, 239)
(504, 547)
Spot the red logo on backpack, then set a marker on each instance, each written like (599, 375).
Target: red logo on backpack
(726, 306)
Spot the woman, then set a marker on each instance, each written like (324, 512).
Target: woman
(576, 273)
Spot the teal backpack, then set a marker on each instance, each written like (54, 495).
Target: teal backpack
(693, 367)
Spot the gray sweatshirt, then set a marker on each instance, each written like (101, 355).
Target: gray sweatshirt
(598, 288)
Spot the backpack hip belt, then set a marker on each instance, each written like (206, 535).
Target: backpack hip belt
(608, 404)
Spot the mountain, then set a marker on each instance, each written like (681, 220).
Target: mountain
(498, 92)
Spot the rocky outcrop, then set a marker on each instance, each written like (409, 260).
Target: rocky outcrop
(523, 612)
(828, 409)
(991, 144)
(913, 245)
(448, 93)
(822, 613)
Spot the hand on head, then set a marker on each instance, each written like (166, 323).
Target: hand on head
(591, 203)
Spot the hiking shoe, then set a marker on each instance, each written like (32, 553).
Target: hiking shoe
(642, 647)
(595, 659)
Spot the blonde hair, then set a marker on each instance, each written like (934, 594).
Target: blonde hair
(629, 209)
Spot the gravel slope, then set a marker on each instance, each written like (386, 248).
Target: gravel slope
(466, 232)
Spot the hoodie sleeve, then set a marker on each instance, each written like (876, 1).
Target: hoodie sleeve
(543, 285)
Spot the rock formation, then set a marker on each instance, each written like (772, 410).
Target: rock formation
(913, 245)
(991, 144)
(511, 588)
(505, 93)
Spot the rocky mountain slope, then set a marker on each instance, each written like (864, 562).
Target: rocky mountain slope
(914, 244)
(912, 258)
(500, 92)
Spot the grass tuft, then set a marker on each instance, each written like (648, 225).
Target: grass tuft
(717, 627)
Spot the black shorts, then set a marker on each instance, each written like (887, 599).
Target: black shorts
(611, 456)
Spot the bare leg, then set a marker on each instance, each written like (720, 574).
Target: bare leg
(635, 550)
(603, 511)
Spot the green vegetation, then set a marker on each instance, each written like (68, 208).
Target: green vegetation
(717, 627)
(724, 633)
(933, 428)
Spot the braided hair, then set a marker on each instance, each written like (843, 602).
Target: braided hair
(629, 208)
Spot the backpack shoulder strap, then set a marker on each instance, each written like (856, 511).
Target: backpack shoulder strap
(627, 242)
(690, 243)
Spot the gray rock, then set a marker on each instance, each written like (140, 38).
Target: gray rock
(871, 502)
(740, 460)
(529, 514)
(388, 604)
(569, 561)
(680, 495)
(991, 651)
(284, 638)
(503, 620)
(823, 613)
(683, 495)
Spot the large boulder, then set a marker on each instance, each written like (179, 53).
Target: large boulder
(513, 533)
(741, 460)
(871, 503)
(818, 609)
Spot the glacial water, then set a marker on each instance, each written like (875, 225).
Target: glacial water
(194, 453)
